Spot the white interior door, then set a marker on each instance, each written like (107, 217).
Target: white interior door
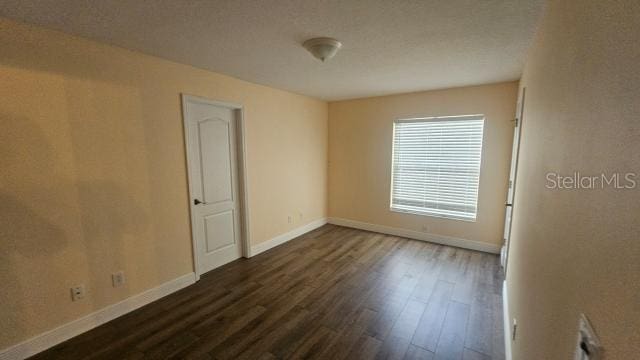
(213, 182)
(504, 254)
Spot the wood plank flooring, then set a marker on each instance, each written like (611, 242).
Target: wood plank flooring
(333, 293)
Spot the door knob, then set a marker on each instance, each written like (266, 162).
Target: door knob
(198, 202)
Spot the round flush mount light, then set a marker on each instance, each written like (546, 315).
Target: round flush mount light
(322, 48)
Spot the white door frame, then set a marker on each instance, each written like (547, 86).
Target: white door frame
(242, 174)
(515, 157)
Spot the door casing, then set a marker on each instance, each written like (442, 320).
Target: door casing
(513, 176)
(242, 175)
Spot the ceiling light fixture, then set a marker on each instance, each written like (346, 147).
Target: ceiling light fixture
(322, 48)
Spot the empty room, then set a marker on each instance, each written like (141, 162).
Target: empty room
(355, 179)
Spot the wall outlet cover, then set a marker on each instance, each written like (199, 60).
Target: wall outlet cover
(118, 278)
(78, 292)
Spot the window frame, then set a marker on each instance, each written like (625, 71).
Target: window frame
(428, 213)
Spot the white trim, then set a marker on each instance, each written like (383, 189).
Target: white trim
(281, 239)
(76, 327)
(243, 173)
(417, 235)
(201, 100)
(442, 118)
(507, 323)
(513, 168)
(432, 214)
(241, 158)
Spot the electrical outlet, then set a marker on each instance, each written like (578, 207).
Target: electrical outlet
(289, 219)
(514, 329)
(299, 215)
(77, 292)
(117, 278)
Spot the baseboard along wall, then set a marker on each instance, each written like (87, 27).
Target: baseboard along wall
(281, 239)
(76, 327)
(417, 235)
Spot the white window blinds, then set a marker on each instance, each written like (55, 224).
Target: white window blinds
(436, 166)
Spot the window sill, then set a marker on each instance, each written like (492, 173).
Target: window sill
(430, 214)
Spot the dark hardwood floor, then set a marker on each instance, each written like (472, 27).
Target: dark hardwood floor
(333, 293)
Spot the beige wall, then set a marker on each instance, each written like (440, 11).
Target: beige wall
(360, 139)
(93, 174)
(579, 251)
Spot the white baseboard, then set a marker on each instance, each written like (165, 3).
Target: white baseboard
(67, 331)
(281, 239)
(417, 235)
(507, 323)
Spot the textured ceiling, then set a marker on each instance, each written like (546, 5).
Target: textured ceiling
(388, 46)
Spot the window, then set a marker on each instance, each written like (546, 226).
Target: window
(436, 166)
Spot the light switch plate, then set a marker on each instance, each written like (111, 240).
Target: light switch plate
(588, 345)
